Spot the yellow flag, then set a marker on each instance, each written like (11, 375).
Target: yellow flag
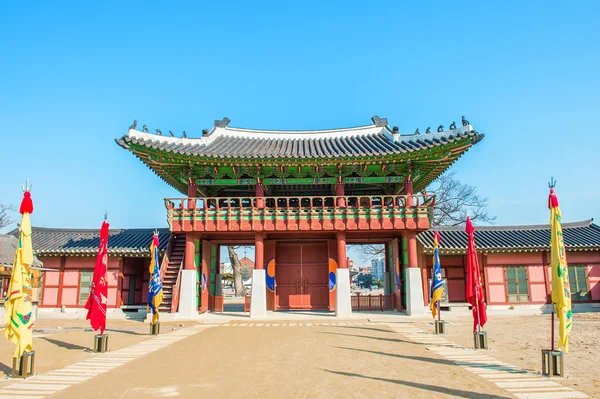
(18, 308)
(561, 291)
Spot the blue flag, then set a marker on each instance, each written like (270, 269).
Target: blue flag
(155, 292)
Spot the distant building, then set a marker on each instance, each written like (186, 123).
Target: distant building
(247, 267)
(226, 267)
(378, 268)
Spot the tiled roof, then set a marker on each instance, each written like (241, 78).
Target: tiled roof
(226, 142)
(579, 236)
(127, 242)
(8, 246)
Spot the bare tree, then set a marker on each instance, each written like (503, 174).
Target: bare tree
(238, 281)
(5, 218)
(453, 200)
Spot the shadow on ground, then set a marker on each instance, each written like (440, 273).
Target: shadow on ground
(432, 388)
(65, 345)
(368, 337)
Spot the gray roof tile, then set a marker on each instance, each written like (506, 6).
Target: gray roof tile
(242, 143)
(578, 236)
(132, 242)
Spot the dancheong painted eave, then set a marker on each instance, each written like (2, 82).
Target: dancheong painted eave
(579, 236)
(223, 149)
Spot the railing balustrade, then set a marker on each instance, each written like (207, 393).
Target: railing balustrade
(259, 209)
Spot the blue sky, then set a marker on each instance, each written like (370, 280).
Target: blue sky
(76, 74)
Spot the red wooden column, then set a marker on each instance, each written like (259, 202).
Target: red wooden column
(119, 302)
(190, 249)
(260, 193)
(61, 279)
(411, 238)
(339, 192)
(192, 193)
(259, 251)
(408, 191)
(341, 250)
(204, 275)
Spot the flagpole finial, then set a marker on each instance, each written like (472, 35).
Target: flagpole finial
(26, 187)
(552, 182)
(105, 215)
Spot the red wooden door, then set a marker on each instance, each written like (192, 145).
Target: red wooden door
(315, 275)
(288, 274)
(302, 276)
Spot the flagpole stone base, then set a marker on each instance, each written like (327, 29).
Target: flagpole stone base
(343, 306)
(188, 307)
(155, 328)
(101, 343)
(415, 306)
(258, 301)
(480, 340)
(552, 363)
(24, 366)
(440, 327)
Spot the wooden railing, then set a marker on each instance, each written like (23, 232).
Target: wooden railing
(372, 302)
(175, 292)
(300, 213)
(165, 259)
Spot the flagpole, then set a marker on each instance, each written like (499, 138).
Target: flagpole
(552, 326)
(477, 305)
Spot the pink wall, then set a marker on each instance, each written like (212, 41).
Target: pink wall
(495, 284)
(69, 294)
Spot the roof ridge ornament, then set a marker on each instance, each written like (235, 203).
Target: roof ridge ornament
(223, 122)
(465, 122)
(379, 122)
(133, 125)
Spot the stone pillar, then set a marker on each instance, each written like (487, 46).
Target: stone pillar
(258, 302)
(187, 286)
(414, 284)
(343, 306)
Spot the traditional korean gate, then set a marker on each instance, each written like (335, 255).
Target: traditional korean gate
(302, 276)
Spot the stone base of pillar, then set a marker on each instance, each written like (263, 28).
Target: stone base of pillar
(187, 295)
(258, 302)
(343, 306)
(415, 306)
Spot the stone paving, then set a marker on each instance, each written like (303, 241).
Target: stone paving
(299, 358)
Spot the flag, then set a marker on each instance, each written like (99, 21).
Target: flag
(437, 289)
(474, 290)
(561, 291)
(155, 292)
(17, 307)
(98, 298)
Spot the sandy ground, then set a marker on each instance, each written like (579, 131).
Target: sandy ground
(364, 361)
(59, 343)
(519, 340)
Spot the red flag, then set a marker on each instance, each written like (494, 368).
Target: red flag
(474, 290)
(96, 303)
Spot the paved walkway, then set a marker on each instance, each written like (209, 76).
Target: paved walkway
(305, 359)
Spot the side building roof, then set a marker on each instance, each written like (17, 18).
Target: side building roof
(85, 242)
(578, 236)
(8, 247)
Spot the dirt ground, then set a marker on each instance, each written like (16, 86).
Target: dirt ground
(354, 361)
(519, 340)
(59, 343)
